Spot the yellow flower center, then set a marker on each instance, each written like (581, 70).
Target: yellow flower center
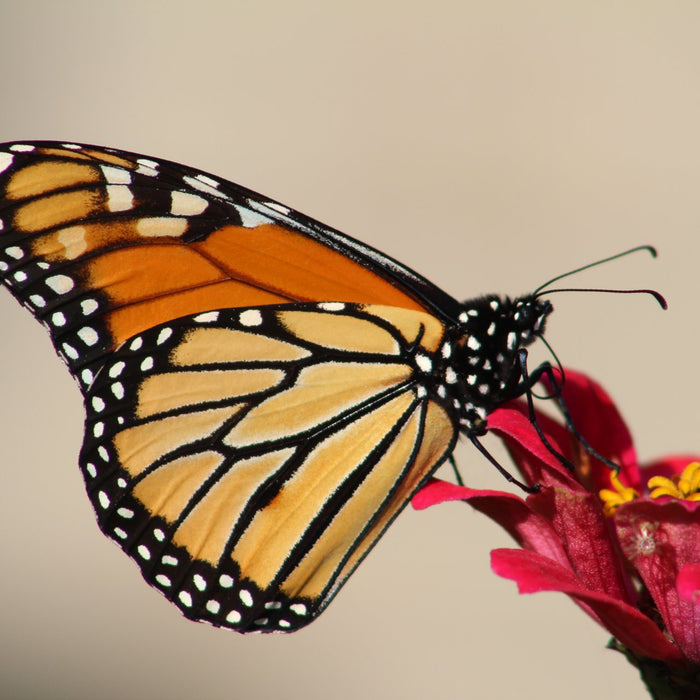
(612, 500)
(685, 486)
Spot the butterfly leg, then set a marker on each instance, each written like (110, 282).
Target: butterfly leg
(502, 470)
(453, 464)
(528, 381)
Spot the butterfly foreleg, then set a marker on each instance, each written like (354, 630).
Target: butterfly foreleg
(529, 379)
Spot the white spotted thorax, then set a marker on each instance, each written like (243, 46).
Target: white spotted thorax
(480, 358)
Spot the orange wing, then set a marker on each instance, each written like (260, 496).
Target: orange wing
(102, 245)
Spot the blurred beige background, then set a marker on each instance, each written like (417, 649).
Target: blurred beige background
(488, 145)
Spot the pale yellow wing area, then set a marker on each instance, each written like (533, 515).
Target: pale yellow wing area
(248, 459)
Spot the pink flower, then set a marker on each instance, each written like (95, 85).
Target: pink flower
(625, 547)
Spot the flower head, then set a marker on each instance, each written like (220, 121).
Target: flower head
(624, 546)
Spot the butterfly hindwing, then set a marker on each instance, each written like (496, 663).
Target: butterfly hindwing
(248, 459)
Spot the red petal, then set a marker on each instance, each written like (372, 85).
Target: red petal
(536, 463)
(660, 538)
(688, 582)
(527, 528)
(534, 572)
(438, 491)
(588, 539)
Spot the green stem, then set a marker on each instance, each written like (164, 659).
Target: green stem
(663, 682)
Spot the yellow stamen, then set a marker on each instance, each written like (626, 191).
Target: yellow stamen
(612, 500)
(685, 486)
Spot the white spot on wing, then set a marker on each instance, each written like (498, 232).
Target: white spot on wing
(15, 252)
(187, 204)
(22, 148)
(70, 351)
(207, 180)
(61, 284)
(473, 343)
(233, 617)
(277, 207)
(424, 363)
(73, 241)
(5, 161)
(88, 335)
(119, 198)
(208, 317)
(251, 219)
(116, 176)
(202, 186)
(116, 369)
(164, 335)
(88, 306)
(147, 162)
(250, 317)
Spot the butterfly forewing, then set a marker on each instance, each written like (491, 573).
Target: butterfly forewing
(102, 245)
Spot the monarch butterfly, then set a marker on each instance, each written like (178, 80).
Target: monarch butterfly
(263, 393)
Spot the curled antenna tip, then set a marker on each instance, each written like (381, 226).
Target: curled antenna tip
(659, 297)
(651, 249)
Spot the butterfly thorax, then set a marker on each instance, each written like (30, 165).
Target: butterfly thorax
(491, 332)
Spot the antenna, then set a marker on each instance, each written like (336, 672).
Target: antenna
(542, 289)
